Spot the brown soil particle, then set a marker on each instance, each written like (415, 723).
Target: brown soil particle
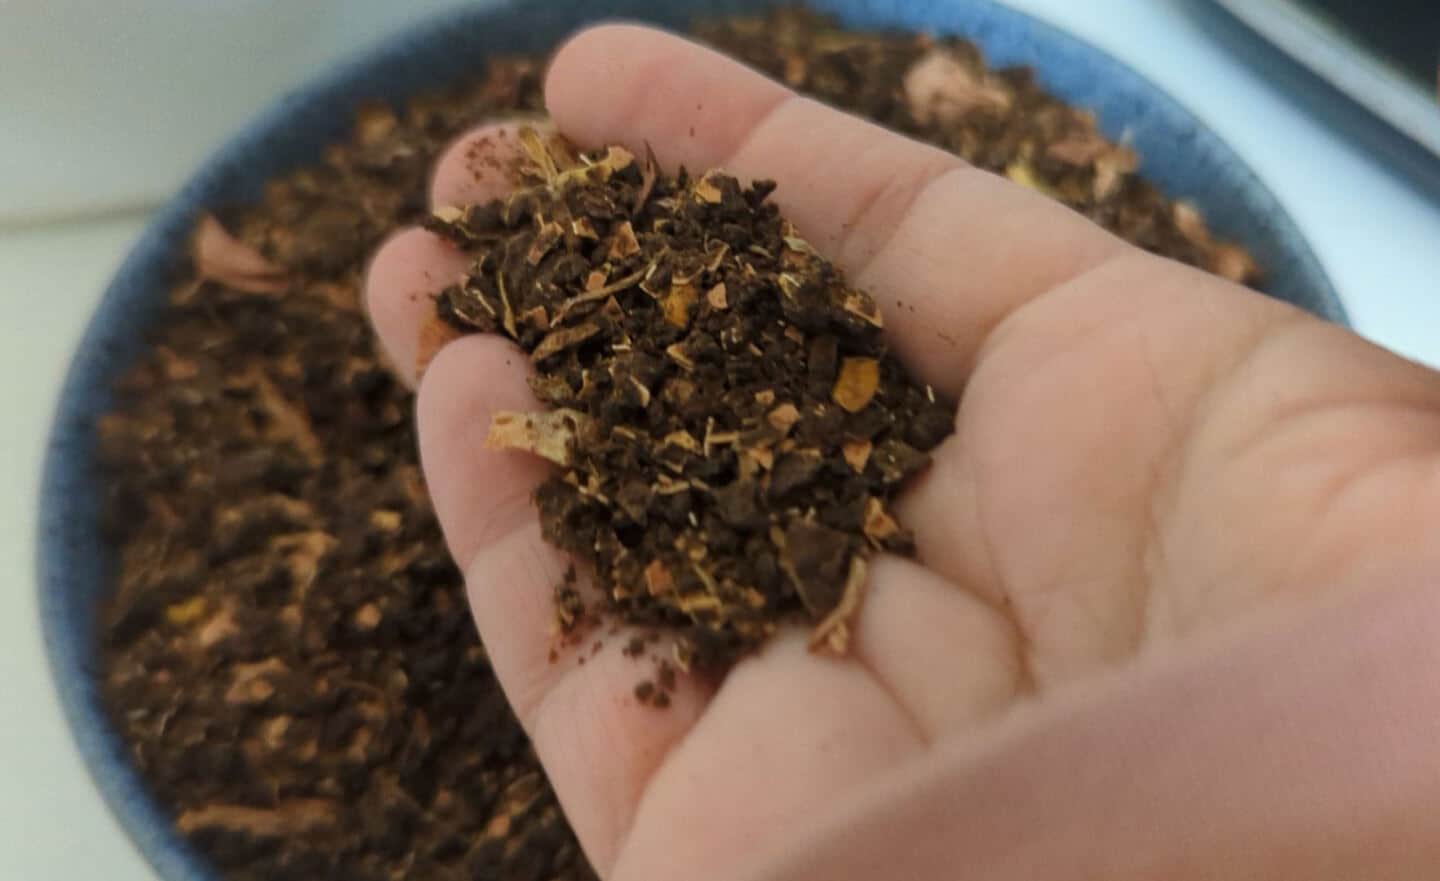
(287, 653)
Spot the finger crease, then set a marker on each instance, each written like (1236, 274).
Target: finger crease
(777, 107)
(884, 207)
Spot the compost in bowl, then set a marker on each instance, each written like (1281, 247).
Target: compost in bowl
(335, 383)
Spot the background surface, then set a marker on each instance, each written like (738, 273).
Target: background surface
(1369, 205)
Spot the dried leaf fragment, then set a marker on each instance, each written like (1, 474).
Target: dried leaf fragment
(762, 456)
(448, 213)
(434, 334)
(783, 417)
(545, 152)
(284, 818)
(641, 391)
(857, 454)
(550, 434)
(857, 383)
(1232, 262)
(616, 158)
(537, 318)
(367, 617)
(706, 190)
(557, 341)
(684, 440)
(1190, 222)
(596, 289)
(546, 237)
(1023, 173)
(582, 228)
(184, 612)
(222, 258)
(623, 242)
(864, 307)
(249, 685)
(813, 556)
(833, 631)
(658, 580)
(678, 354)
(678, 303)
(879, 525)
(649, 173)
(941, 88)
(386, 520)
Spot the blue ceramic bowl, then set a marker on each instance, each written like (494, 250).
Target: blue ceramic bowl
(1179, 154)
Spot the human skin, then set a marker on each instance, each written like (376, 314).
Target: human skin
(1175, 609)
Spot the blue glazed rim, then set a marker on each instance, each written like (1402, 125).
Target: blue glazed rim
(1179, 154)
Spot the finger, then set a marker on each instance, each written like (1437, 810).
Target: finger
(950, 660)
(414, 265)
(950, 251)
(788, 733)
(408, 270)
(478, 166)
(1303, 748)
(1210, 383)
(480, 494)
(599, 744)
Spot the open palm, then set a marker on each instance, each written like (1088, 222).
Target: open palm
(1168, 510)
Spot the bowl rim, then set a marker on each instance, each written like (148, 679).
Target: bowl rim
(72, 559)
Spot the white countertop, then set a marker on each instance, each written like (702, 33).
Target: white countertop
(1374, 230)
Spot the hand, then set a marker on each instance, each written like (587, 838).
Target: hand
(1174, 603)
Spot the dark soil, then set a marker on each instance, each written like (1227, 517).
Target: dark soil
(729, 424)
(287, 652)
